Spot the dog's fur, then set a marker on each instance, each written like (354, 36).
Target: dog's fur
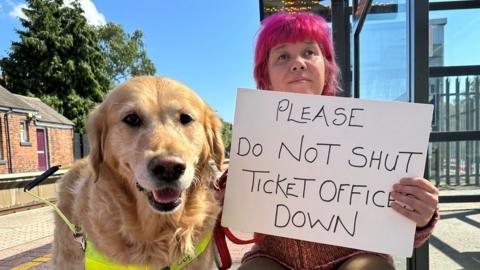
(100, 194)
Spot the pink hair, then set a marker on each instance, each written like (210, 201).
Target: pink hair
(290, 28)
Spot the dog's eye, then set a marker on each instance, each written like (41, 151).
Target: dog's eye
(132, 120)
(185, 118)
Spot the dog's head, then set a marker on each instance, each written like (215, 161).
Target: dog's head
(158, 135)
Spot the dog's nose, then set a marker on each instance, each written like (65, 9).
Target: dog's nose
(167, 167)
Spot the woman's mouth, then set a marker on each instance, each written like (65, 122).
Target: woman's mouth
(299, 80)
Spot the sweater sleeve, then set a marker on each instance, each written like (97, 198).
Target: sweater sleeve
(422, 234)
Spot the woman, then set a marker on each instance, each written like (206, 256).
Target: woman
(294, 53)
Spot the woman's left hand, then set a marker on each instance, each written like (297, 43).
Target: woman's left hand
(420, 198)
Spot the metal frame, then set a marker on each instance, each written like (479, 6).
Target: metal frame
(459, 198)
(419, 73)
(261, 10)
(420, 258)
(417, 19)
(455, 136)
(418, 50)
(454, 70)
(341, 35)
(451, 5)
(357, 28)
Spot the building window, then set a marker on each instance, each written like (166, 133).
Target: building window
(24, 132)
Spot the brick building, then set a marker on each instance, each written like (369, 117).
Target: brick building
(33, 136)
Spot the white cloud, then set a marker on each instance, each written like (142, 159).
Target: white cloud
(93, 16)
(17, 11)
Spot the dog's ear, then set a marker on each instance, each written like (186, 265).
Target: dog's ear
(213, 131)
(96, 131)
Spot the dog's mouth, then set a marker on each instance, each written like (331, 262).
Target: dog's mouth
(164, 199)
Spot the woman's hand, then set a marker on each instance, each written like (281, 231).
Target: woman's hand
(419, 197)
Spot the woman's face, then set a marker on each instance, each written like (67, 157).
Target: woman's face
(297, 67)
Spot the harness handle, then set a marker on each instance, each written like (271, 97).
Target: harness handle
(41, 177)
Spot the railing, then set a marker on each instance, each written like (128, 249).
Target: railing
(455, 161)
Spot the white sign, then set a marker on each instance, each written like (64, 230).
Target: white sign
(321, 169)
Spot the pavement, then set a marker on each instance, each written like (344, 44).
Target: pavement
(26, 239)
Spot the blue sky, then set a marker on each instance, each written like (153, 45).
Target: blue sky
(208, 45)
(462, 36)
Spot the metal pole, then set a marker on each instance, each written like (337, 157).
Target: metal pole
(417, 26)
(477, 127)
(468, 147)
(457, 128)
(341, 38)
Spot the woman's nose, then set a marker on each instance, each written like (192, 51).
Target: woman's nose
(298, 64)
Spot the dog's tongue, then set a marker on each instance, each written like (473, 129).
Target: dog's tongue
(166, 195)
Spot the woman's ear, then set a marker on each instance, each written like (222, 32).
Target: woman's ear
(96, 131)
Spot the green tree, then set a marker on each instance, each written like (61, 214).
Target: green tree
(57, 59)
(227, 136)
(125, 53)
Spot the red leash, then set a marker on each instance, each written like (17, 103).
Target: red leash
(220, 233)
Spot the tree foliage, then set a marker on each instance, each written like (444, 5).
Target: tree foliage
(227, 136)
(67, 63)
(125, 53)
(57, 59)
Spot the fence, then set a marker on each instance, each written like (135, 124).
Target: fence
(456, 100)
(81, 148)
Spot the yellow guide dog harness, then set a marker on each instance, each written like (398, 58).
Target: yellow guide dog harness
(94, 260)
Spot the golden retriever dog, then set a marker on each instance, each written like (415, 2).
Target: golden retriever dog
(142, 196)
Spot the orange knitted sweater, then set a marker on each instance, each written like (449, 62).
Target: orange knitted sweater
(297, 254)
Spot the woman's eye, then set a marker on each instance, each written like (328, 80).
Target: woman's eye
(185, 118)
(132, 120)
(309, 53)
(282, 57)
